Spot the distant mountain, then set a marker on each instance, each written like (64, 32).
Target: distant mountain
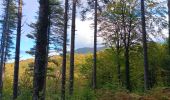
(86, 50)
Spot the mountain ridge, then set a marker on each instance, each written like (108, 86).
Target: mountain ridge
(86, 50)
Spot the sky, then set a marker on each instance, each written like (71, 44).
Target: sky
(84, 33)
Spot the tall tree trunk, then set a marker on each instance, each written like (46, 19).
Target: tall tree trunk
(4, 35)
(41, 52)
(169, 25)
(4, 61)
(118, 62)
(146, 83)
(48, 48)
(63, 81)
(118, 57)
(128, 85)
(71, 87)
(168, 29)
(126, 47)
(94, 79)
(17, 51)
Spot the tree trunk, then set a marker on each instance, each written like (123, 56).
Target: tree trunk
(4, 35)
(17, 51)
(118, 62)
(71, 87)
(41, 52)
(169, 25)
(126, 47)
(128, 85)
(94, 80)
(64, 52)
(146, 83)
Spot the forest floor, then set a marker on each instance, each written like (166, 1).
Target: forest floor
(155, 94)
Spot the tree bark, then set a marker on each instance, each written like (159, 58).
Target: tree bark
(40, 66)
(17, 52)
(64, 52)
(118, 62)
(126, 47)
(146, 83)
(94, 80)
(71, 87)
(169, 25)
(128, 85)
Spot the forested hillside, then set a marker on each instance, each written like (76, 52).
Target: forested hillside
(109, 87)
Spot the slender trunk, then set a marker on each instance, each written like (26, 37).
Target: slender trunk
(146, 83)
(17, 51)
(118, 64)
(71, 87)
(5, 27)
(94, 80)
(126, 47)
(48, 43)
(4, 62)
(169, 25)
(63, 81)
(128, 86)
(41, 52)
(118, 57)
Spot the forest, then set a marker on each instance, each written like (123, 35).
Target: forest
(131, 62)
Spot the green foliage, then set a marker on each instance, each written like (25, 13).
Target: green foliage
(107, 74)
(107, 67)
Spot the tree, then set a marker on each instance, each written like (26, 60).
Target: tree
(94, 80)
(41, 52)
(8, 26)
(3, 48)
(17, 52)
(56, 26)
(169, 24)
(71, 88)
(64, 51)
(146, 84)
(118, 26)
(55, 30)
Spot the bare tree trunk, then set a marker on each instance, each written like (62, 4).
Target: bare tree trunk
(126, 41)
(4, 62)
(41, 52)
(169, 25)
(17, 51)
(63, 81)
(118, 63)
(146, 83)
(94, 80)
(48, 48)
(71, 87)
(128, 85)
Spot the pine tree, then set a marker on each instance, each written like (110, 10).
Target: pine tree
(8, 26)
(94, 83)
(41, 52)
(146, 83)
(63, 81)
(17, 52)
(72, 47)
(169, 24)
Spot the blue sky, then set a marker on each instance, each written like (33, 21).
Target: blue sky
(84, 34)
(29, 12)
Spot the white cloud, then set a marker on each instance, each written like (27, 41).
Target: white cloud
(84, 34)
